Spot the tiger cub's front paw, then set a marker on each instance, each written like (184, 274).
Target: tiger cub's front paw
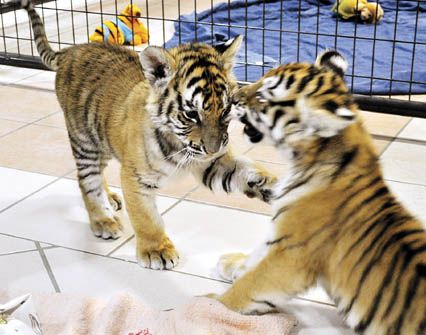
(260, 185)
(231, 266)
(157, 256)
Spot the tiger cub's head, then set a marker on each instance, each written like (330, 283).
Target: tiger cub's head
(192, 85)
(297, 101)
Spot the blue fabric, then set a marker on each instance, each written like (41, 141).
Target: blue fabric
(402, 51)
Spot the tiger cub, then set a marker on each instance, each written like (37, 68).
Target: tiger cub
(335, 219)
(159, 114)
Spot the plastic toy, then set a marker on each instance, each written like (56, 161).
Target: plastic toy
(127, 29)
(367, 12)
(17, 318)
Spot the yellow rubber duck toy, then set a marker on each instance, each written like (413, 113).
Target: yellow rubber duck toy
(367, 12)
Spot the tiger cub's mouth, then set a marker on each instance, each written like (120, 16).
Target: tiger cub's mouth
(254, 135)
(239, 111)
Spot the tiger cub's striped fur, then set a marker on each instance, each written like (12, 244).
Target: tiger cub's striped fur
(162, 113)
(335, 219)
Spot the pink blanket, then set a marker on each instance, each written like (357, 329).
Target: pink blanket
(125, 315)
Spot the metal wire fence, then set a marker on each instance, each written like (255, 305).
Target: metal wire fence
(278, 30)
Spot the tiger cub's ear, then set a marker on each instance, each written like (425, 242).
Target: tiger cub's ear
(157, 66)
(229, 50)
(332, 60)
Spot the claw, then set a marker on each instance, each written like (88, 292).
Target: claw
(115, 201)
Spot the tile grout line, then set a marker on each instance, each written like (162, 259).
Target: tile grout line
(404, 182)
(28, 87)
(48, 267)
(14, 82)
(202, 202)
(39, 173)
(28, 124)
(409, 141)
(26, 251)
(7, 119)
(37, 72)
(179, 200)
(32, 193)
(15, 130)
(395, 138)
(120, 246)
(50, 126)
(30, 76)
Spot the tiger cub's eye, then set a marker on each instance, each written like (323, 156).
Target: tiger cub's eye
(191, 115)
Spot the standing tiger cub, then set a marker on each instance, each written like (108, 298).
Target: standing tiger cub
(162, 113)
(335, 219)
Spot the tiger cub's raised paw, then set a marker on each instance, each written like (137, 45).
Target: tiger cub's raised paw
(231, 266)
(260, 185)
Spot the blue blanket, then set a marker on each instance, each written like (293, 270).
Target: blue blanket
(391, 56)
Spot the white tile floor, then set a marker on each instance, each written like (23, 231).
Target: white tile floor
(51, 211)
(46, 244)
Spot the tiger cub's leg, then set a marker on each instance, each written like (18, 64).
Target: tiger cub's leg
(231, 173)
(153, 248)
(103, 222)
(268, 285)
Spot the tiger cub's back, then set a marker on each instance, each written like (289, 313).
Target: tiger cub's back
(96, 70)
(92, 83)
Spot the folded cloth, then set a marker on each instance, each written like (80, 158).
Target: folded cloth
(62, 314)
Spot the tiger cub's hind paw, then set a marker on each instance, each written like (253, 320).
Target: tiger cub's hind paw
(107, 228)
(231, 266)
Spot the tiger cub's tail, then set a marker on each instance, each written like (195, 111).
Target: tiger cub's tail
(48, 56)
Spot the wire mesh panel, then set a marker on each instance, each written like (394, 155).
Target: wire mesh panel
(385, 59)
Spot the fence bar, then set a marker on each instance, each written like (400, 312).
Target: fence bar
(19, 60)
(391, 106)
